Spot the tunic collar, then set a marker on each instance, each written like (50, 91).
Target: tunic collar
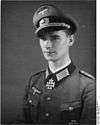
(64, 72)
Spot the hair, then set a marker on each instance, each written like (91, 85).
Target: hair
(67, 32)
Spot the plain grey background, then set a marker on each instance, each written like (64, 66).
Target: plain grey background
(21, 54)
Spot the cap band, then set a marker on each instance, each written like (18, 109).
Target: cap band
(53, 25)
(50, 21)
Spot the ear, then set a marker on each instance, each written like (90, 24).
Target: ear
(71, 40)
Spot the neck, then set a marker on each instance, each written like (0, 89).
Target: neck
(55, 65)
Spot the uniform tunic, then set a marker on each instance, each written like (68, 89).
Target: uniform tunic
(65, 97)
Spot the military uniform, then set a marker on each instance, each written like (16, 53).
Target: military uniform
(66, 96)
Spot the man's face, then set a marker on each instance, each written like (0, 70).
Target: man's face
(55, 45)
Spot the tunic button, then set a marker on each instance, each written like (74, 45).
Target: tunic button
(48, 98)
(46, 114)
(30, 101)
(70, 108)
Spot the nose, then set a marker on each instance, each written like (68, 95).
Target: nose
(48, 44)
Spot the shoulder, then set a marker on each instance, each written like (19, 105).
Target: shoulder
(86, 75)
(34, 77)
(87, 80)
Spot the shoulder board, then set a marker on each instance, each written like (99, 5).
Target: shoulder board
(35, 77)
(86, 74)
(38, 73)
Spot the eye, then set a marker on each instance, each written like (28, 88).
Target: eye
(43, 38)
(53, 38)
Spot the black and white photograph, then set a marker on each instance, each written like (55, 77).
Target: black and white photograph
(48, 62)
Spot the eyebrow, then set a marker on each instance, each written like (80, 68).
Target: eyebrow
(54, 35)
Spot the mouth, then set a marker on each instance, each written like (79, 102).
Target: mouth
(49, 52)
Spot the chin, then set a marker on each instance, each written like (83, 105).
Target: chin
(50, 59)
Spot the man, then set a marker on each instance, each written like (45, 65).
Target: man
(61, 94)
